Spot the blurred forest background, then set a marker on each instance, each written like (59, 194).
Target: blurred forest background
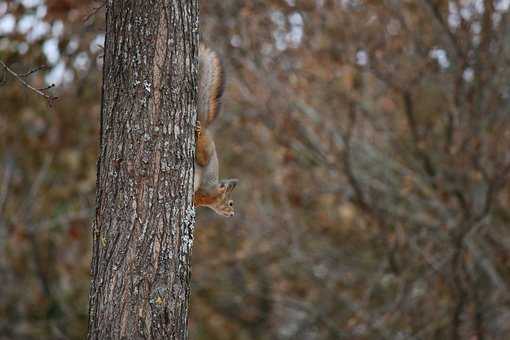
(372, 140)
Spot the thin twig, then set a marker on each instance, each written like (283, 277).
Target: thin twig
(94, 11)
(50, 98)
(40, 68)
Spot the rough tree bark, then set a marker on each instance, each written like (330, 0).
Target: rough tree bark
(143, 228)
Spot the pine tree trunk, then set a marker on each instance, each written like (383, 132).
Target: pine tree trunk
(143, 228)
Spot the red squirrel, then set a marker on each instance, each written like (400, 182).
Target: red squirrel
(209, 190)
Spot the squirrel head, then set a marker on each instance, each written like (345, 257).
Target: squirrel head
(219, 201)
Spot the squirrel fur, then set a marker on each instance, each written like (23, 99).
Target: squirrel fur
(209, 190)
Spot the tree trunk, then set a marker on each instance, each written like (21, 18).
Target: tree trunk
(143, 228)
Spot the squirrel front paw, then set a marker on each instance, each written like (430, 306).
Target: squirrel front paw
(198, 129)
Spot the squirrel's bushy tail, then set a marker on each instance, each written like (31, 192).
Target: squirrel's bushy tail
(211, 81)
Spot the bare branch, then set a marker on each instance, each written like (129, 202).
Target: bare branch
(41, 92)
(37, 69)
(94, 11)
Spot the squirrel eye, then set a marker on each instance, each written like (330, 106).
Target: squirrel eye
(231, 203)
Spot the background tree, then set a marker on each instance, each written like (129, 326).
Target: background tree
(143, 229)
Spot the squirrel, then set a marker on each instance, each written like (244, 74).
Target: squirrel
(209, 190)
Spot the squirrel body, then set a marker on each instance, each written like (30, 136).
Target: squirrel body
(209, 190)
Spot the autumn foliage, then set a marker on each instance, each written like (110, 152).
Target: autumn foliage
(372, 143)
